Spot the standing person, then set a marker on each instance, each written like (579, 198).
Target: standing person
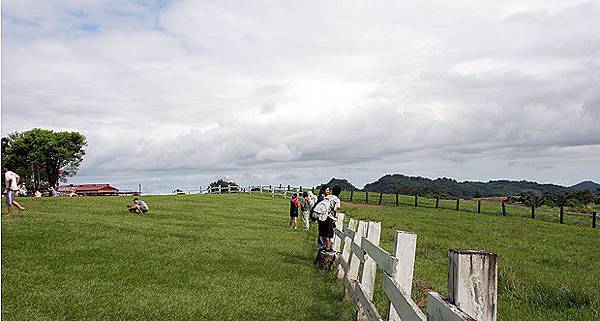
(294, 205)
(11, 181)
(328, 217)
(305, 205)
(323, 192)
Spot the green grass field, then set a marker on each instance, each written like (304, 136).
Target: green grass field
(232, 257)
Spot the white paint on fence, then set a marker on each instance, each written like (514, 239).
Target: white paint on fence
(346, 251)
(337, 239)
(442, 310)
(405, 247)
(367, 282)
(473, 283)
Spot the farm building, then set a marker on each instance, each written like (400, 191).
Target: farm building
(89, 189)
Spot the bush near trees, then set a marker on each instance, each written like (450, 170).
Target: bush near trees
(222, 183)
(43, 157)
(574, 199)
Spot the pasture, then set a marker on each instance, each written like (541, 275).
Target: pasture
(232, 257)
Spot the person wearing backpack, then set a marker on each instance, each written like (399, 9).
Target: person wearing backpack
(314, 215)
(327, 216)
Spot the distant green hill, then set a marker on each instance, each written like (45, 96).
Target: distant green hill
(343, 183)
(403, 184)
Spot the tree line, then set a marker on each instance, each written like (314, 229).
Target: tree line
(42, 157)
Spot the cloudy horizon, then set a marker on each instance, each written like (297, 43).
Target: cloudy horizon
(176, 94)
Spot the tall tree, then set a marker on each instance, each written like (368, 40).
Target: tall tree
(42, 156)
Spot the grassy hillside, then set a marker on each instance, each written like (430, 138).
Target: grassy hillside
(192, 258)
(232, 257)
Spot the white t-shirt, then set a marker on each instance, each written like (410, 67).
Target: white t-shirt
(327, 206)
(13, 184)
(143, 206)
(334, 205)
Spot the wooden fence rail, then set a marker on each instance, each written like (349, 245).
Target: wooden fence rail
(473, 206)
(472, 277)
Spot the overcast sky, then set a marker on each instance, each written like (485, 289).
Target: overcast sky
(179, 93)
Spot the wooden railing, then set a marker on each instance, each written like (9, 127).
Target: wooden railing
(472, 277)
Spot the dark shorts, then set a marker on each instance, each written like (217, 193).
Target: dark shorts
(294, 212)
(10, 197)
(326, 228)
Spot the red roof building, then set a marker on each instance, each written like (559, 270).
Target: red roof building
(89, 189)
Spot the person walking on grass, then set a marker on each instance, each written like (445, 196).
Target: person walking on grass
(11, 181)
(328, 215)
(294, 205)
(305, 205)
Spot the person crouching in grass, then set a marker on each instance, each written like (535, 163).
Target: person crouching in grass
(327, 221)
(138, 206)
(294, 205)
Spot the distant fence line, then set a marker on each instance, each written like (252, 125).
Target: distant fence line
(374, 198)
(472, 277)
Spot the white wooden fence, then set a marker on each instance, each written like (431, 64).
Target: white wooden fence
(472, 277)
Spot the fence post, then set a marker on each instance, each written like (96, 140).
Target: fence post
(300, 188)
(380, 197)
(416, 200)
(562, 212)
(279, 185)
(367, 283)
(347, 248)
(473, 283)
(337, 241)
(594, 220)
(351, 195)
(405, 247)
(397, 203)
(367, 197)
(503, 209)
(354, 261)
(478, 206)
(458, 204)
(273, 193)
(532, 211)
(228, 189)
(288, 187)
(437, 202)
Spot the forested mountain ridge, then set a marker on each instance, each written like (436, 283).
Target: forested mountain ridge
(398, 183)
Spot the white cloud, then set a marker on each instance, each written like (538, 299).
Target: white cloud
(178, 93)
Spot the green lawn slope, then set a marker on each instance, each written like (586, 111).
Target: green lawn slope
(232, 257)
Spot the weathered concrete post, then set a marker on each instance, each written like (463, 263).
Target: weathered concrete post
(367, 282)
(366, 197)
(405, 247)
(478, 206)
(473, 283)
